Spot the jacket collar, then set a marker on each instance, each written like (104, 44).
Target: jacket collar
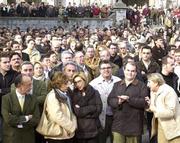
(135, 82)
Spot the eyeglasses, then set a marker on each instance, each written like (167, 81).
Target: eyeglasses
(78, 81)
(106, 68)
(146, 53)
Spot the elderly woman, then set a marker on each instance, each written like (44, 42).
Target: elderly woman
(166, 108)
(87, 106)
(58, 109)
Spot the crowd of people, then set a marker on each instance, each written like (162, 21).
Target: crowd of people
(135, 14)
(85, 85)
(42, 9)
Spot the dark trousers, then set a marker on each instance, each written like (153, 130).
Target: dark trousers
(59, 141)
(39, 138)
(90, 140)
(149, 120)
(1, 129)
(106, 132)
(154, 140)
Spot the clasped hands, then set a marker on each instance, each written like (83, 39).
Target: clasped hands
(122, 98)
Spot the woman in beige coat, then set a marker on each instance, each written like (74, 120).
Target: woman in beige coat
(166, 108)
(59, 109)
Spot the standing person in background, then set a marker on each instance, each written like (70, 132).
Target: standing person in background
(33, 53)
(159, 50)
(66, 56)
(92, 60)
(105, 56)
(115, 58)
(146, 65)
(39, 72)
(79, 59)
(16, 47)
(39, 89)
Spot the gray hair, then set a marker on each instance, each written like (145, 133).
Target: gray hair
(27, 63)
(70, 63)
(66, 53)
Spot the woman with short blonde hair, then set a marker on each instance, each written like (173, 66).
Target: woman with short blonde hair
(156, 77)
(87, 107)
(166, 108)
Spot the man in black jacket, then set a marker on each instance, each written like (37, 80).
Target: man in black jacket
(115, 58)
(168, 64)
(127, 100)
(7, 76)
(159, 50)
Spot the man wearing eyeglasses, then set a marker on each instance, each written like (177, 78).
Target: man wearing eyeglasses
(104, 84)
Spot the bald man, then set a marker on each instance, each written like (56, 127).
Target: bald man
(20, 112)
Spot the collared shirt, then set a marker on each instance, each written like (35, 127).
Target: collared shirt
(104, 87)
(21, 99)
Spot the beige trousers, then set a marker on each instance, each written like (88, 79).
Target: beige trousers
(118, 138)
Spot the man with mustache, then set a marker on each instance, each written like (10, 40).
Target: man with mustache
(15, 61)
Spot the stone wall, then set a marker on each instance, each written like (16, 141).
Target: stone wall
(24, 22)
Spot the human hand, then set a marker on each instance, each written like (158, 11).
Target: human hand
(153, 108)
(148, 101)
(143, 73)
(30, 116)
(124, 97)
(77, 106)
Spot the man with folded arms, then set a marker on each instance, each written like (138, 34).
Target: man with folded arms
(20, 112)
